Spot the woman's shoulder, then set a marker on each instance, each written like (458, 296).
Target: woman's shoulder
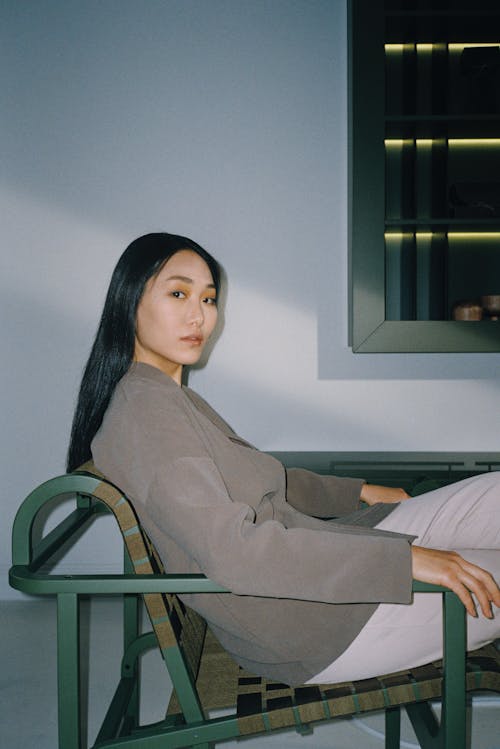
(147, 395)
(143, 381)
(146, 390)
(147, 406)
(144, 375)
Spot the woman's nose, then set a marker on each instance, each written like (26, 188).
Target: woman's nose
(195, 314)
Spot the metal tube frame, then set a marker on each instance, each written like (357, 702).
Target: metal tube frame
(123, 714)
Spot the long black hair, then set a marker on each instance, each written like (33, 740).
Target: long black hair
(113, 347)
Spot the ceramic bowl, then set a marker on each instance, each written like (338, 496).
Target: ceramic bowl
(491, 303)
(467, 311)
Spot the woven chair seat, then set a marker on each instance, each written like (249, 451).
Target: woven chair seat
(265, 705)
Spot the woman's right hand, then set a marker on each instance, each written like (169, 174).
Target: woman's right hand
(449, 569)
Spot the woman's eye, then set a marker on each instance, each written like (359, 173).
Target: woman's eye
(178, 294)
(210, 300)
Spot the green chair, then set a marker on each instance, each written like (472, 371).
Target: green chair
(204, 677)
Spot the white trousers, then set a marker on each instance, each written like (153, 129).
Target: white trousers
(463, 517)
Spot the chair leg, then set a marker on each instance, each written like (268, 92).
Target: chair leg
(68, 671)
(427, 729)
(131, 629)
(453, 719)
(132, 611)
(392, 727)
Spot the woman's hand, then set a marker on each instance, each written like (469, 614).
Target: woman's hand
(372, 493)
(449, 569)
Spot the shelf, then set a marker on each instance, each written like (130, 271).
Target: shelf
(418, 242)
(430, 27)
(464, 224)
(442, 126)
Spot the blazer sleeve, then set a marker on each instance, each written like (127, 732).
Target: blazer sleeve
(322, 496)
(189, 502)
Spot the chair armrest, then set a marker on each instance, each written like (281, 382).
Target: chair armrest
(22, 578)
(419, 587)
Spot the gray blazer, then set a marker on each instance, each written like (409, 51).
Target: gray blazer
(301, 587)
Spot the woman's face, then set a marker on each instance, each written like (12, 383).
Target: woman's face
(176, 314)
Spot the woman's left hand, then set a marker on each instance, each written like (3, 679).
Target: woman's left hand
(372, 493)
(450, 569)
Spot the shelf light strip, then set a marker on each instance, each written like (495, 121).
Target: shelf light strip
(428, 47)
(474, 235)
(459, 46)
(455, 142)
(489, 235)
(474, 141)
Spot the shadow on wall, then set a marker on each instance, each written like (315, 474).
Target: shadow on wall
(47, 350)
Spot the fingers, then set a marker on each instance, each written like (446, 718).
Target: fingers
(463, 593)
(462, 577)
(481, 584)
(402, 495)
(463, 584)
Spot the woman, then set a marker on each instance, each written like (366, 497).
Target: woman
(311, 599)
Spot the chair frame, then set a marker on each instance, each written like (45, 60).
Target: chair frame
(196, 729)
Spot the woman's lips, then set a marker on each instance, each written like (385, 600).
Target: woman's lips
(194, 340)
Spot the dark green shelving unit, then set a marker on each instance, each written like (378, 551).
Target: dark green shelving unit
(424, 173)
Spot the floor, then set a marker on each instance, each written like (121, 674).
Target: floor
(28, 709)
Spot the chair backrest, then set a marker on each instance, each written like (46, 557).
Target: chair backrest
(180, 631)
